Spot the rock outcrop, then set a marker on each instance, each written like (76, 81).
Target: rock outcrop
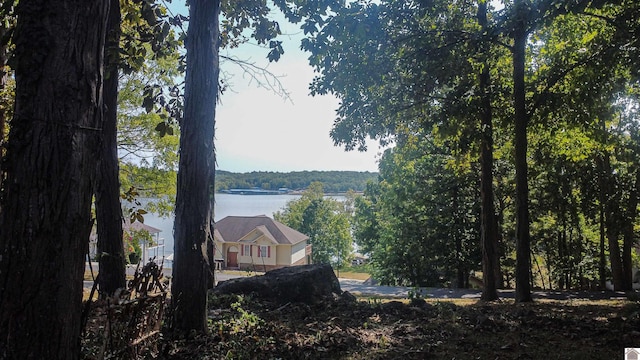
(306, 283)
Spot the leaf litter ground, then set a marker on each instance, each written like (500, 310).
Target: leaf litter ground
(346, 328)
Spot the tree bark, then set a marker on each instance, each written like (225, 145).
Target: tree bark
(602, 258)
(3, 84)
(523, 257)
(461, 274)
(50, 163)
(107, 185)
(488, 231)
(196, 169)
(612, 225)
(629, 235)
(614, 257)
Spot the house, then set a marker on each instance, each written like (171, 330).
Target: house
(359, 259)
(156, 249)
(259, 243)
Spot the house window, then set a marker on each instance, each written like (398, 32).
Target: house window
(264, 251)
(247, 250)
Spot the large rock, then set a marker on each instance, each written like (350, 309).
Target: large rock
(306, 283)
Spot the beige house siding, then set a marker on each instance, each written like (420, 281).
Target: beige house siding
(284, 255)
(252, 257)
(271, 250)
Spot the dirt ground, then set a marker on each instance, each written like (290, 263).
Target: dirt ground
(349, 328)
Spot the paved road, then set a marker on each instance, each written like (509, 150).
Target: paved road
(359, 287)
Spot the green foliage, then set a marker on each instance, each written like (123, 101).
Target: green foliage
(325, 220)
(232, 320)
(146, 33)
(245, 322)
(148, 161)
(419, 223)
(403, 70)
(156, 186)
(138, 141)
(133, 240)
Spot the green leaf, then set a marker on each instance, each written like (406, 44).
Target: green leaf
(147, 104)
(161, 126)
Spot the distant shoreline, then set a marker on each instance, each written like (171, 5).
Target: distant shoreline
(293, 192)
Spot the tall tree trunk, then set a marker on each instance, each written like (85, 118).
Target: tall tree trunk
(629, 234)
(211, 244)
(457, 238)
(196, 166)
(488, 224)
(614, 255)
(3, 84)
(602, 259)
(612, 225)
(523, 257)
(107, 185)
(500, 276)
(562, 261)
(50, 163)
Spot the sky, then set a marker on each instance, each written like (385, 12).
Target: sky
(259, 130)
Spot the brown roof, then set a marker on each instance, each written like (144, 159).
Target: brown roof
(234, 228)
(137, 226)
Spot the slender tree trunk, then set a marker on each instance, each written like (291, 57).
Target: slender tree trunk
(488, 233)
(3, 84)
(196, 166)
(614, 256)
(50, 163)
(612, 230)
(500, 277)
(563, 251)
(629, 235)
(523, 257)
(107, 185)
(562, 261)
(460, 268)
(602, 263)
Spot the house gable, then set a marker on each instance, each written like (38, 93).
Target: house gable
(242, 228)
(260, 232)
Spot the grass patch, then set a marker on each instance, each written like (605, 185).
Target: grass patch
(245, 273)
(352, 275)
(354, 272)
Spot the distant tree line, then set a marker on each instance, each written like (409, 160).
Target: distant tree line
(332, 181)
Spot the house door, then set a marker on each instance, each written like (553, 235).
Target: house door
(232, 257)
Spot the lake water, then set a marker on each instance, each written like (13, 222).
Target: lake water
(226, 205)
